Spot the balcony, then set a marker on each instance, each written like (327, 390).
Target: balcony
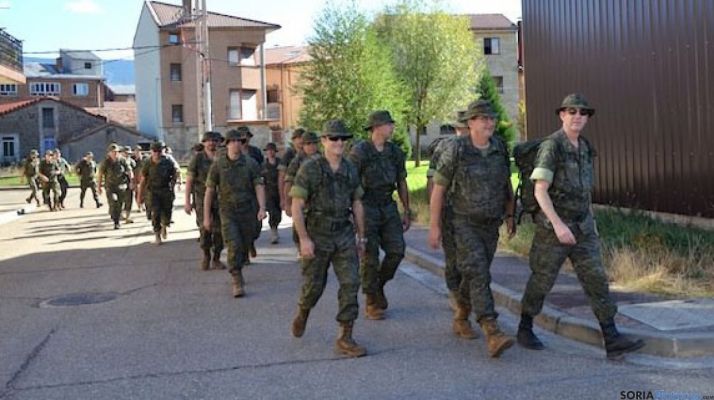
(10, 59)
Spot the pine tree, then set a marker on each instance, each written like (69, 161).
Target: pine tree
(486, 89)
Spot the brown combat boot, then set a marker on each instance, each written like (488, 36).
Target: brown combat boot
(157, 235)
(164, 235)
(217, 263)
(371, 310)
(300, 321)
(238, 290)
(206, 262)
(496, 341)
(380, 298)
(345, 344)
(461, 325)
(453, 300)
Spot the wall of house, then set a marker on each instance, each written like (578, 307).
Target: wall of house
(285, 78)
(94, 97)
(76, 66)
(147, 73)
(98, 141)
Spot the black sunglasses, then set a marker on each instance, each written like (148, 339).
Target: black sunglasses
(581, 111)
(342, 138)
(243, 141)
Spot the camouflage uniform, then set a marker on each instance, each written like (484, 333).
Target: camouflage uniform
(477, 181)
(129, 201)
(51, 170)
(160, 177)
(570, 172)
(379, 174)
(64, 167)
(32, 172)
(235, 182)
(328, 201)
(272, 194)
(298, 159)
(255, 153)
(197, 170)
(116, 183)
(139, 164)
(87, 171)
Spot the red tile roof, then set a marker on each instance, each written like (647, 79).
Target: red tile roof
(491, 22)
(286, 55)
(170, 14)
(10, 107)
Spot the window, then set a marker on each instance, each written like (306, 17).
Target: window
(48, 117)
(87, 65)
(10, 147)
(80, 89)
(243, 105)
(48, 143)
(498, 80)
(174, 38)
(273, 96)
(175, 72)
(8, 89)
(44, 89)
(177, 113)
(241, 56)
(491, 46)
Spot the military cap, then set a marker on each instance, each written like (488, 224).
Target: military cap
(208, 135)
(335, 128)
(137, 147)
(127, 149)
(459, 123)
(377, 118)
(57, 150)
(479, 108)
(217, 136)
(575, 100)
(34, 152)
(297, 133)
(236, 134)
(112, 147)
(49, 152)
(246, 131)
(271, 146)
(310, 137)
(89, 154)
(158, 145)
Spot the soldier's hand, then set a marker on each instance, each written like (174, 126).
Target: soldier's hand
(307, 249)
(261, 214)
(207, 224)
(361, 249)
(434, 238)
(565, 236)
(406, 222)
(511, 227)
(99, 191)
(187, 207)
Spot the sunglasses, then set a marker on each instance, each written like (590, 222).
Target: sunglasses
(581, 111)
(341, 138)
(242, 141)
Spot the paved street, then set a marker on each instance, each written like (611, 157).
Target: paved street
(171, 331)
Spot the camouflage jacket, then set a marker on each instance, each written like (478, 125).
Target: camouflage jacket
(50, 169)
(235, 182)
(379, 172)
(327, 194)
(115, 173)
(255, 153)
(435, 149)
(31, 168)
(63, 165)
(159, 176)
(477, 179)
(287, 158)
(270, 177)
(138, 164)
(570, 173)
(198, 171)
(86, 170)
(296, 163)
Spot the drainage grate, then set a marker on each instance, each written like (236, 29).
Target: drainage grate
(78, 299)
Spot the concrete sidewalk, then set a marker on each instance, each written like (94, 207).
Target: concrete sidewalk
(670, 327)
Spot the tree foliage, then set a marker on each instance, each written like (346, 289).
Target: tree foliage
(350, 74)
(487, 90)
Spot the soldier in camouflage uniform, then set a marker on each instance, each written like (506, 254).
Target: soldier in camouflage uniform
(309, 150)
(129, 200)
(87, 171)
(197, 174)
(272, 192)
(31, 172)
(381, 167)
(257, 155)
(159, 173)
(115, 175)
(565, 228)
(326, 195)
(285, 161)
(61, 179)
(138, 158)
(236, 178)
(475, 170)
(49, 171)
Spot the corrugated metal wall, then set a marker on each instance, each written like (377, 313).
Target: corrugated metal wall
(647, 66)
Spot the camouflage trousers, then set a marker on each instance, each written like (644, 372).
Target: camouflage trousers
(476, 243)
(336, 247)
(116, 198)
(448, 243)
(383, 228)
(54, 187)
(547, 256)
(272, 206)
(64, 185)
(162, 205)
(34, 189)
(83, 186)
(212, 239)
(129, 200)
(238, 230)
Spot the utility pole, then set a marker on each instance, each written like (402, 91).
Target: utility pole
(204, 112)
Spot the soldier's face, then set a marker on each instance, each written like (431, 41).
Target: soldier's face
(297, 142)
(482, 125)
(574, 120)
(333, 145)
(210, 145)
(310, 148)
(384, 130)
(113, 154)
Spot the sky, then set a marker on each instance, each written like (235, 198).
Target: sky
(48, 25)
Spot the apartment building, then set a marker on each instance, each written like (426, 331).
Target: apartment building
(166, 83)
(283, 70)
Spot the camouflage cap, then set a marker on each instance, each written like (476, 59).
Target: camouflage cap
(246, 131)
(137, 147)
(335, 128)
(575, 100)
(209, 135)
(297, 133)
(57, 150)
(217, 136)
(459, 120)
(158, 145)
(478, 108)
(89, 154)
(49, 153)
(127, 149)
(112, 147)
(377, 118)
(34, 152)
(271, 146)
(310, 137)
(236, 134)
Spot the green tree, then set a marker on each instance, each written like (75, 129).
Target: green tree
(487, 90)
(350, 74)
(434, 56)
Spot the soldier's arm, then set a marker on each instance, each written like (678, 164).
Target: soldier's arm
(207, 204)
(187, 196)
(281, 188)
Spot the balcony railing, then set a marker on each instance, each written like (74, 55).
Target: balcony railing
(10, 51)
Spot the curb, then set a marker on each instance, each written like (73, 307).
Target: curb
(675, 345)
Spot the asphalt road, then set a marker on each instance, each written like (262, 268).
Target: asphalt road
(174, 332)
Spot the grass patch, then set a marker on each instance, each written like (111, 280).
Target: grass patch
(10, 177)
(416, 181)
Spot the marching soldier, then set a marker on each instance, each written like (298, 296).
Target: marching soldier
(159, 173)
(272, 192)
(87, 171)
(49, 171)
(285, 161)
(31, 172)
(64, 168)
(115, 176)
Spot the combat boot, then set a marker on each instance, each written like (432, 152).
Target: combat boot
(380, 298)
(345, 344)
(99, 204)
(238, 290)
(157, 236)
(28, 200)
(217, 263)
(496, 341)
(252, 252)
(81, 203)
(37, 202)
(461, 325)
(164, 235)
(616, 344)
(371, 311)
(206, 262)
(273, 235)
(300, 321)
(526, 337)
(453, 300)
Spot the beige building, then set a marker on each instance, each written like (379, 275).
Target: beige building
(166, 83)
(283, 67)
